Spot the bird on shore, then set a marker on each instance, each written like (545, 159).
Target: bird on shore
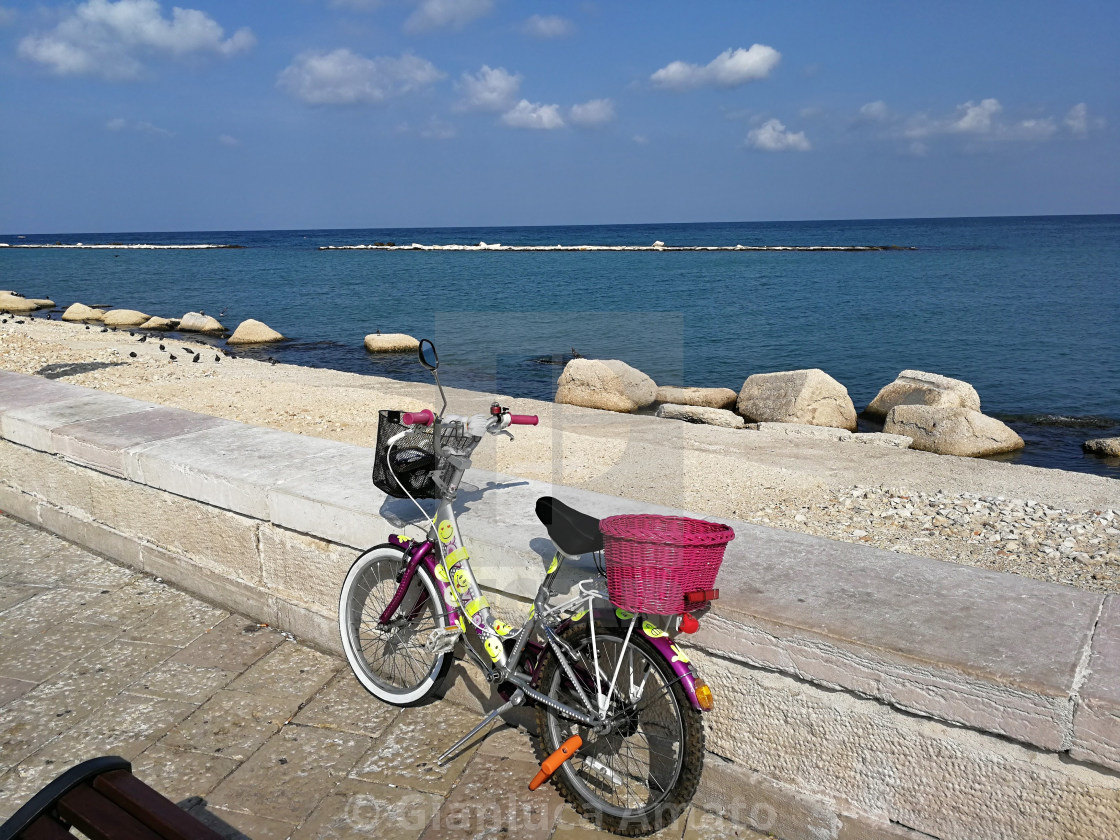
(143, 338)
(132, 354)
(196, 357)
(217, 358)
(173, 357)
(186, 350)
(104, 329)
(164, 349)
(87, 326)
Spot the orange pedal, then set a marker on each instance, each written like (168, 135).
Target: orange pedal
(551, 764)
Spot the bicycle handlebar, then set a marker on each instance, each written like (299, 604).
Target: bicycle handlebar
(523, 420)
(418, 418)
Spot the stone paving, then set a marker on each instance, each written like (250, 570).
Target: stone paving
(254, 733)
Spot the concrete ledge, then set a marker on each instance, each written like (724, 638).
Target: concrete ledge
(814, 648)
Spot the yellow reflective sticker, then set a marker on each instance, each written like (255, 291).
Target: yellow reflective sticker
(476, 605)
(652, 630)
(493, 647)
(579, 615)
(625, 616)
(456, 556)
(554, 564)
(462, 624)
(532, 610)
(501, 628)
(446, 531)
(680, 657)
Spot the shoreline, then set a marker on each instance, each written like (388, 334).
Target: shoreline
(1046, 524)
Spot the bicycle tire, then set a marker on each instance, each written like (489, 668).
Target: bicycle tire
(581, 777)
(404, 673)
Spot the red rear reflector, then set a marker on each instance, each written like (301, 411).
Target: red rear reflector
(701, 596)
(689, 624)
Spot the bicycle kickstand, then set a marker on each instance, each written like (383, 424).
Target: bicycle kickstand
(516, 700)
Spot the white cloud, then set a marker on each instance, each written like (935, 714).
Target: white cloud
(548, 26)
(876, 111)
(490, 89)
(1077, 119)
(437, 14)
(107, 39)
(980, 121)
(358, 5)
(437, 129)
(228, 140)
(142, 126)
(526, 114)
(728, 69)
(345, 78)
(641, 139)
(592, 113)
(773, 136)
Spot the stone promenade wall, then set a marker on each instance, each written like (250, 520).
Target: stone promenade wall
(859, 693)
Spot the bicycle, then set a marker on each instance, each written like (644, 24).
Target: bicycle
(618, 703)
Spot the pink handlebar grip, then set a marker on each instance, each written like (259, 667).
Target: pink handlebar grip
(523, 419)
(418, 418)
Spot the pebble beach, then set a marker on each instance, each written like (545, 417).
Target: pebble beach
(1050, 525)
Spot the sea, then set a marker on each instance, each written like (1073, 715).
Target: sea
(1026, 309)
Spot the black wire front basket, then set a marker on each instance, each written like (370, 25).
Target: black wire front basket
(413, 461)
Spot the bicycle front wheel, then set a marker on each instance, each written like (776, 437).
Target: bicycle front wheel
(391, 660)
(640, 775)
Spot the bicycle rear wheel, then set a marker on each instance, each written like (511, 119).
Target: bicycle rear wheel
(639, 776)
(391, 660)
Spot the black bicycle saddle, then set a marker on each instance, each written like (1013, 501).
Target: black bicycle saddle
(573, 532)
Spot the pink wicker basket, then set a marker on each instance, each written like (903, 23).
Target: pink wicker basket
(652, 561)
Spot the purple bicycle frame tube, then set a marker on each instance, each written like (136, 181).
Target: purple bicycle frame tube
(417, 555)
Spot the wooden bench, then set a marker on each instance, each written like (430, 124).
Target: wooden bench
(103, 800)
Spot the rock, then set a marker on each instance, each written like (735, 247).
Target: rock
(81, 312)
(157, 323)
(14, 303)
(701, 414)
(391, 343)
(951, 431)
(253, 332)
(797, 396)
(125, 318)
(916, 387)
(805, 430)
(197, 322)
(882, 439)
(605, 383)
(42, 303)
(706, 397)
(1103, 446)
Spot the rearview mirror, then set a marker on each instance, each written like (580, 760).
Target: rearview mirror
(429, 358)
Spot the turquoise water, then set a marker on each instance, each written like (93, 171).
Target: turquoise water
(1026, 309)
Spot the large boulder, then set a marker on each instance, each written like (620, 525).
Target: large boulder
(951, 431)
(797, 396)
(16, 304)
(391, 343)
(705, 397)
(605, 383)
(197, 322)
(81, 312)
(916, 387)
(43, 303)
(701, 414)
(157, 323)
(125, 318)
(1103, 446)
(253, 332)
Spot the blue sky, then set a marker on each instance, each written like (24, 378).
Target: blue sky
(124, 115)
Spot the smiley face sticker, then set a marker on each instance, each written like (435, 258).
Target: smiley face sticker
(462, 582)
(446, 531)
